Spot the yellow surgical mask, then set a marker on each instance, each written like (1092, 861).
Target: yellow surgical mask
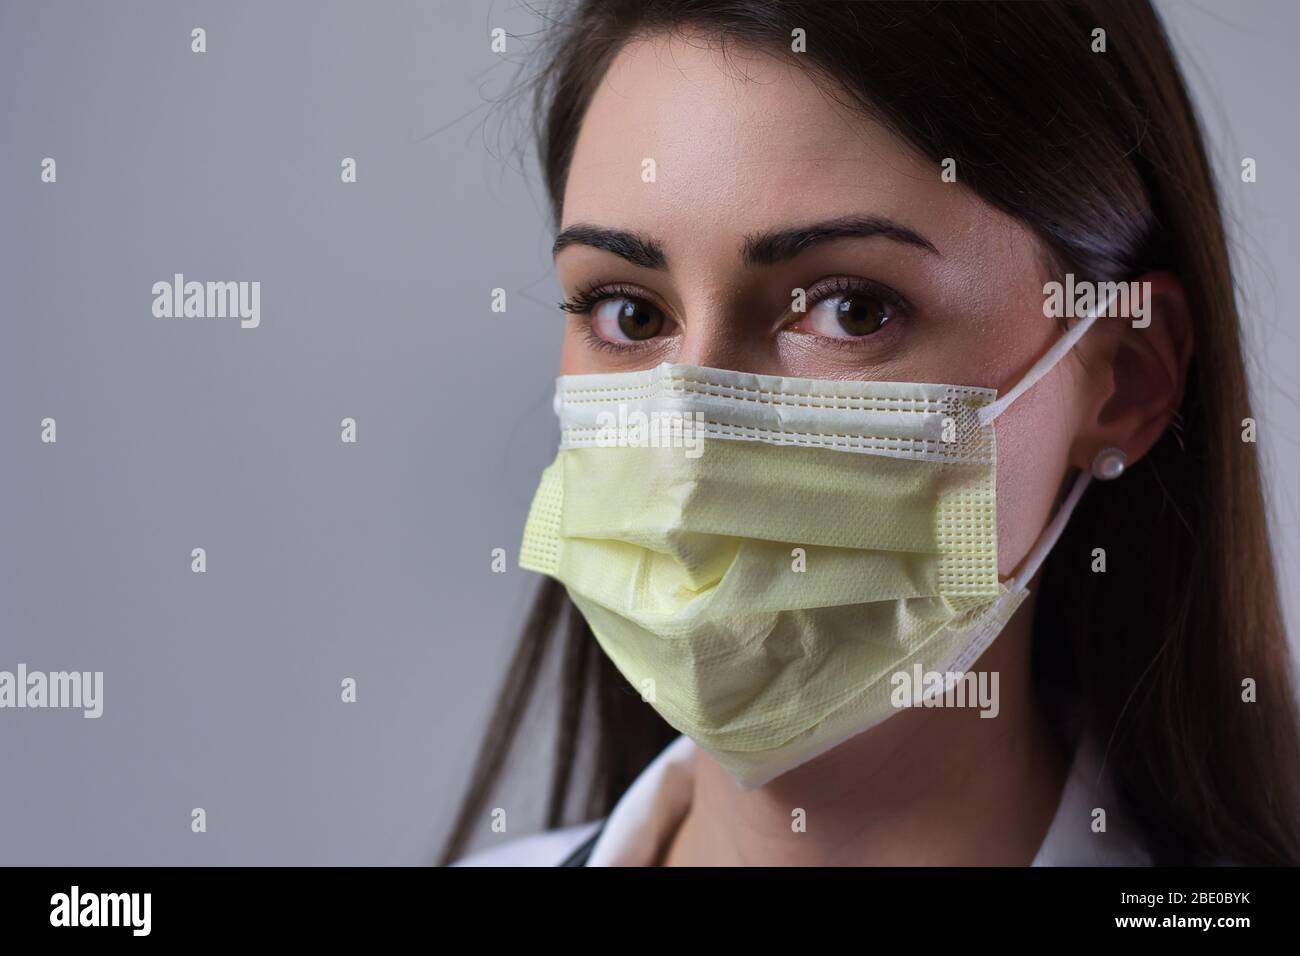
(759, 555)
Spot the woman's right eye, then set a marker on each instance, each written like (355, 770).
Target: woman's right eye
(623, 319)
(617, 317)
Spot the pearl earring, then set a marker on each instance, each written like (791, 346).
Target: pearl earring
(1109, 464)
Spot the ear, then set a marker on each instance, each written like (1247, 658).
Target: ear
(1143, 360)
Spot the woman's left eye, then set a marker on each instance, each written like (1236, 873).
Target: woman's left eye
(847, 314)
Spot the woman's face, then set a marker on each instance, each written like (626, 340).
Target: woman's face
(706, 174)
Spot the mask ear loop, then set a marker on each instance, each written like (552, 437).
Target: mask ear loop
(1034, 560)
(1047, 361)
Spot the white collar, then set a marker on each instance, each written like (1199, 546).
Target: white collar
(651, 808)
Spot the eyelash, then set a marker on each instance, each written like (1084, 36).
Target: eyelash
(586, 299)
(843, 284)
(595, 342)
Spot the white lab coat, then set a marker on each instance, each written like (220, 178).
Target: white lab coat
(653, 805)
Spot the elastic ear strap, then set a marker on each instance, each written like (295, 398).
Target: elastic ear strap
(1029, 567)
(1049, 358)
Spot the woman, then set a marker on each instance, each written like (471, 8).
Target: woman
(803, 204)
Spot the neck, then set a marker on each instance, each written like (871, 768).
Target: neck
(929, 786)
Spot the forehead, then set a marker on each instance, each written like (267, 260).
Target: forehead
(743, 141)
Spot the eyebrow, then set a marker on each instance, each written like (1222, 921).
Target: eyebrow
(638, 250)
(759, 249)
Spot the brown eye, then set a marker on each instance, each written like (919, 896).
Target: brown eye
(847, 315)
(860, 314)
(623, 319)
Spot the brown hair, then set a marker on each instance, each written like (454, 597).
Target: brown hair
(1101, 155)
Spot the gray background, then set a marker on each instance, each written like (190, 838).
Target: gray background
(328, 560)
